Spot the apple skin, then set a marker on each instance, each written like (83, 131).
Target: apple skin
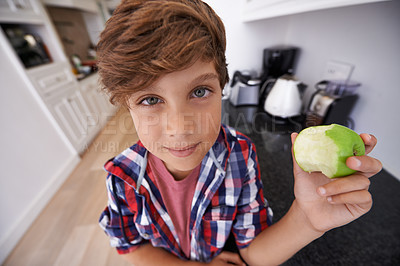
(326, 149)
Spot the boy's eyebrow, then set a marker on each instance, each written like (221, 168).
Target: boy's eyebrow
(198, 80)
(204, 77)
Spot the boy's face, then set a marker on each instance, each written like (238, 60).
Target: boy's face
(178, 118)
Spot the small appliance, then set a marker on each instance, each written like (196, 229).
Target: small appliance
(285, 98)
(244, 88)
(332, 102)
(277, 61)
(29, 47)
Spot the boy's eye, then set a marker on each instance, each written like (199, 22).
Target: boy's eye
(150, 100)
(200, 92)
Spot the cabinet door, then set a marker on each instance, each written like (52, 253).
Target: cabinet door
(71, 113)
(89, 91)
(107, 109)
(99, 106)
(20, 11)
(52, 80)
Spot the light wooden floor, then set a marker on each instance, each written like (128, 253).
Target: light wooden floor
(67, 232)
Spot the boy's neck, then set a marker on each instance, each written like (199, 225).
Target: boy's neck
(179, 175)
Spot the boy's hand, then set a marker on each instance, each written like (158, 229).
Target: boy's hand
(227, 258)
(329, 203)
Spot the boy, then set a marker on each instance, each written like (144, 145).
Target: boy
(189, 183)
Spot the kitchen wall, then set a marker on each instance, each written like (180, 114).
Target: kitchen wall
(365, 35)
(35, 158)
(70, 27)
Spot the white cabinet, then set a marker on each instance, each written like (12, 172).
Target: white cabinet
(17, 10)
(76, 108)
(87, 5)
(71, 112)
(60, 92)
(261, 9)
(99, 108)
(50, 80)
(80, 108)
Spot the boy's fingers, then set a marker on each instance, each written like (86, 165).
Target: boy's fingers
(344, 185)
(293, 136)
(296, 167)
(366, 165)
(361, 198)
(369, 141)
(232, 258)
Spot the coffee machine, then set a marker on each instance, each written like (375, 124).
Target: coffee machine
(332, 102)
(277, 61)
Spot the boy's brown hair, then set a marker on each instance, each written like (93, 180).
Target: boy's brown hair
(145, 39)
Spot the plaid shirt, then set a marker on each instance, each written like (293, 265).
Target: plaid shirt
(228, 198)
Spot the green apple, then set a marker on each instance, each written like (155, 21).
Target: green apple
(326, 148)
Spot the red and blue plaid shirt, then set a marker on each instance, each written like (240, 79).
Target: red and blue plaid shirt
(228, 198)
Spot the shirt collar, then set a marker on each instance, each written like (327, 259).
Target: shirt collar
(131, 164)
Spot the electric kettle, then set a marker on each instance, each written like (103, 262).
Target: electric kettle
(285, 97)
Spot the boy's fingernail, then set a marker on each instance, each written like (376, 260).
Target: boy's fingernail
(356, 162)
(367, 137)
(329, 199)
(322, 191)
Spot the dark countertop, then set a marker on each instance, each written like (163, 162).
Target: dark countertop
(373, 239)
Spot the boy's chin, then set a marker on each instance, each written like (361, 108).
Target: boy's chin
(183, 164)
(181, 170)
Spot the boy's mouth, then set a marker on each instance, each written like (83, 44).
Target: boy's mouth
(183, 151)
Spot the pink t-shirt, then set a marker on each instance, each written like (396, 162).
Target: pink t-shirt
(177, 197)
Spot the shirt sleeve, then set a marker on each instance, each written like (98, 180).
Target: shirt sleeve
(117, 220)
(254, 213)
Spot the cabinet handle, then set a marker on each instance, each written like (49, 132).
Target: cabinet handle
(19, 4)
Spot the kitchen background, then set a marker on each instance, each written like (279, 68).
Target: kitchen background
(363, 35)
(38, 152)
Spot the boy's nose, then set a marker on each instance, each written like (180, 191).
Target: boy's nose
(179, 123)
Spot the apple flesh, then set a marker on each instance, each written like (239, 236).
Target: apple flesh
(326, 148)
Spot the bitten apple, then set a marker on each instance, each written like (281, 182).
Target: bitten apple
(326, 148)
